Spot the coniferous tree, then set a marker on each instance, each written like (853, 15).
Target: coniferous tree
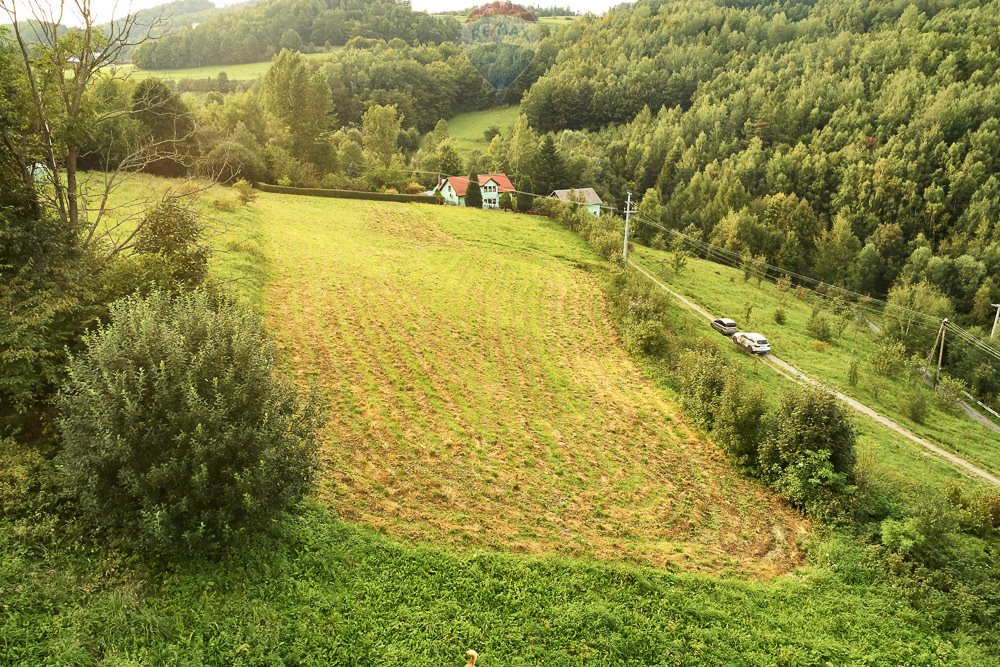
(473, 195)
(549, 168)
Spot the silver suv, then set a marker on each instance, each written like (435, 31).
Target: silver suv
(725, 326)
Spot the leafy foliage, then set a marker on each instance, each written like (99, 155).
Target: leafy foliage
(178, 435)
(253, 33)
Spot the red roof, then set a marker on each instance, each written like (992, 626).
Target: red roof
(461, 183)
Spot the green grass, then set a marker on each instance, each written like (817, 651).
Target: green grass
(722, 291)
(467, 129)
(241, 72)
(469, 355)
(486, 427)
(327, 593)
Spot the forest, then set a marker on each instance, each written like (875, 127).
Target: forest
(258, 31)
(854, 142)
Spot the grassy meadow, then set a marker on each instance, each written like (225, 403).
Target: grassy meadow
(241, 72)
(498, 475)
(466, 129)
(479, 395)
(722, 291)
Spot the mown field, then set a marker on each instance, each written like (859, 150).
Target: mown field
(467, 129)
(723, 291)
(479, 395)
(492, 458)
(242, 72)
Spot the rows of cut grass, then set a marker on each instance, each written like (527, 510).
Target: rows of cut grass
(479, 395)
(723, 291)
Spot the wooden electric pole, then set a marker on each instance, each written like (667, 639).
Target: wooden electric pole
(628, 217)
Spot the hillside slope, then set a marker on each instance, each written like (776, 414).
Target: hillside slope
(479, 394)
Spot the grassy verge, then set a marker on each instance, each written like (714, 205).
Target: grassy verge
(723, 291)
(327, 593)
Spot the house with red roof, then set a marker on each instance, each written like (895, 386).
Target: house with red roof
(453, 189)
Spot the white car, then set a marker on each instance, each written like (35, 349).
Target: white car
(754, 343)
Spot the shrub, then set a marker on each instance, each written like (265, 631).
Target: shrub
(779, 316)
(926, 537)
(739, 425)
(888, 357)
(245, 191)
(949, 392)
(638, 308)
(172, 231)
(979, 509)
(819, 327)
(223, 204)
(808, 419)
(229, 160)
(820, 345)
(178, 436)
(812, 483)
(702, 378)
(853, 372)
(916, 406)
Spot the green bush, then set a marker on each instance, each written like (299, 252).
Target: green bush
(178, 436)
(888, 357)
(172, 232)
(702, 378)
(739, 420)
(245, 191)
(979, 509)
(853, 372)
(820, 327)
(916, 406)
(809, 426)
(949, 392)
(638, 308)
(926, 537)
(812, 483)
(780, 316)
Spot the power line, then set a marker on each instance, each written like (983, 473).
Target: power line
(740, 262)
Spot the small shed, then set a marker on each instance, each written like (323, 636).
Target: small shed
(584, 196)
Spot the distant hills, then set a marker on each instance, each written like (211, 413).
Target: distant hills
(245, 34)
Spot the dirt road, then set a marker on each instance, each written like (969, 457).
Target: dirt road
(794, 374)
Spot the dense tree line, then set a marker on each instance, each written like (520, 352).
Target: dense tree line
(857, 142)
(257, 32)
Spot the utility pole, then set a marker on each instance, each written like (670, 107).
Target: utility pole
(995, 319)
(944, 328)
(628, 215)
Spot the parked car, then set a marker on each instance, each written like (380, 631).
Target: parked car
(725, 326)
(754, 343)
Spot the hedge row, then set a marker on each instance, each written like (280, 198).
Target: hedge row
(346, 194)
